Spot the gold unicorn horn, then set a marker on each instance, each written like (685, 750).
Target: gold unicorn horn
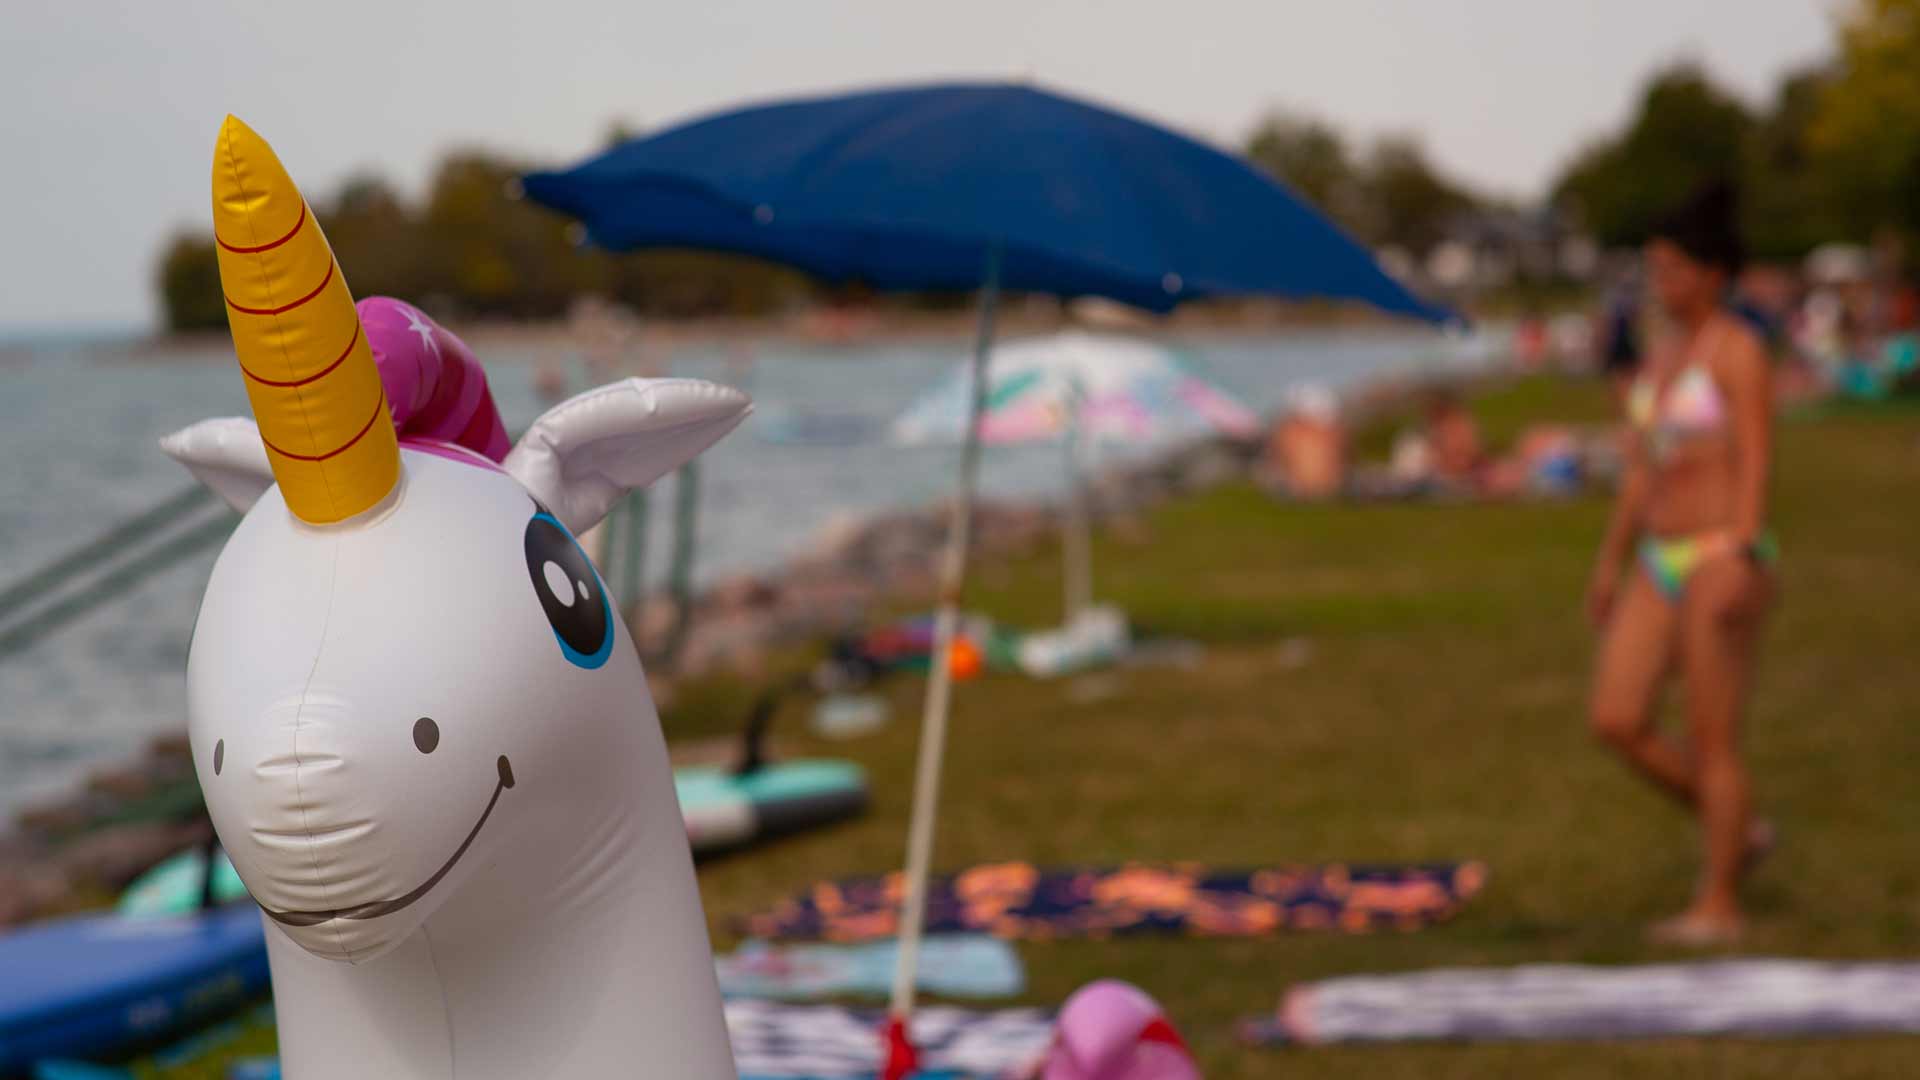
(310, 374)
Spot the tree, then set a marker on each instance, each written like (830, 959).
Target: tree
(1868, 119)
(1686, 133)
(189, 282)
(1409, 203)
(489, 253)
(1790, 201)
(1311, 158)
(375, 239)
(1395, 196)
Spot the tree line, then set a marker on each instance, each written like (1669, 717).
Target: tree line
(471, 248)
(1834, 155)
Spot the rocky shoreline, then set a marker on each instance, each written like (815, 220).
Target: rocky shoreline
(79, 851)
(890, 559)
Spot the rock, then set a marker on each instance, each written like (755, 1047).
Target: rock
(1012, 529)
(743, 593)
(140, 779)
(60, 816)
(171, 746)
(836, 542)
(736, 643)
(15, 848)
(915, 583)
(113, 856)
(822, 603)
(27, 892)
(662, 687)
(657, 617)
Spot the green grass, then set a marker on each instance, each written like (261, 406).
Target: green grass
(1439, 715)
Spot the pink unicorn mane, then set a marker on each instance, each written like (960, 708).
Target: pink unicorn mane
(436, 389)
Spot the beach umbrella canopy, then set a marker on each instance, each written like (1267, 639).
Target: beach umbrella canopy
(955, 186)
(1076, 389)
(908, 188)
(1096, 387)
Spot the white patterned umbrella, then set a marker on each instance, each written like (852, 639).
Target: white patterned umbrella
(1076, 388)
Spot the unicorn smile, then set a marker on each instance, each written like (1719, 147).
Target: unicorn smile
(387, 907)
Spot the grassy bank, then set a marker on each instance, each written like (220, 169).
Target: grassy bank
(1433, 712)
(1437, 715)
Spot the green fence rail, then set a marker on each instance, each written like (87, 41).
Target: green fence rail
(624, 562)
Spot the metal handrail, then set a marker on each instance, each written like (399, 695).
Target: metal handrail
(26, 631)
(132, 559)
(38, 583)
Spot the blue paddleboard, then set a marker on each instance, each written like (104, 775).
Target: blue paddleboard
(88, 984)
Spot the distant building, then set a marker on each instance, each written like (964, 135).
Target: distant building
(1493, 247)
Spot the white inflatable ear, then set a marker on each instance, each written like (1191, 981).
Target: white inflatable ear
(585, 453)
(226, 455)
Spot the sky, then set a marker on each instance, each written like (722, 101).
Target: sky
(110, 109)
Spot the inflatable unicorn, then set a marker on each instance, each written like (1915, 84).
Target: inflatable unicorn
(423, 733)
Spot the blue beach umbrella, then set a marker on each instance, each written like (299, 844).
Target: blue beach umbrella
(958, 186)
(917, 188)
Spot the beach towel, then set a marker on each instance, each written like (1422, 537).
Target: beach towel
(952, 965)
(773, 1041)
(1018, 900)
(1565, 1001)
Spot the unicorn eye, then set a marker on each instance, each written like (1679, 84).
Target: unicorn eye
(570, 592)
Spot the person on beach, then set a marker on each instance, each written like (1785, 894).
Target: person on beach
(1459, 458)
(1306, 456)
(1691, 513)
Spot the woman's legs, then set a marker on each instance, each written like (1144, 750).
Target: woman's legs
(1719, 631)
(1636, 651)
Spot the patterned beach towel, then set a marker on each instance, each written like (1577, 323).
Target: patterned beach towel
(827, 1042)
(1566, 1001)
(1018, 900)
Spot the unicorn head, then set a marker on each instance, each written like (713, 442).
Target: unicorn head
(412, 706)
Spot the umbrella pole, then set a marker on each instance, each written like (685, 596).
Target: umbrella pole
(1078, 540)
(933, 727)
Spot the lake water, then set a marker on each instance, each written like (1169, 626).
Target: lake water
(79, 421)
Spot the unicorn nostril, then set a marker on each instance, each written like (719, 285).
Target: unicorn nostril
(219, 755)
(426, 734)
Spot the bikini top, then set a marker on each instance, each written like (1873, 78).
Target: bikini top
(1691, 408)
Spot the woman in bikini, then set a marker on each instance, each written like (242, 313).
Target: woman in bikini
(1691, 519)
